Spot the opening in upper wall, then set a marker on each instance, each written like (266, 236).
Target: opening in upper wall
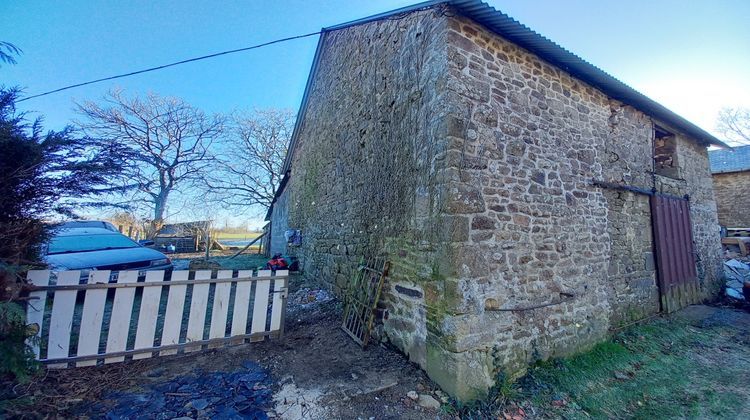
(665, 153)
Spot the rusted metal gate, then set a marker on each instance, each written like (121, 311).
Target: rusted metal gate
(361, 299)
(675, 256)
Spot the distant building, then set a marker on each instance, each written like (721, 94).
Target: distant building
(730, 170)
(185, 237)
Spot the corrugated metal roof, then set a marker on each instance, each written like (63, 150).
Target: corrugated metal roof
(729, 160)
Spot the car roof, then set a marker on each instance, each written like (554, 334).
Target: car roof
(89, 223)
(85, 231)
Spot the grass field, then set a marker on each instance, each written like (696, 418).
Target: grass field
(238, 236)
(242, 262)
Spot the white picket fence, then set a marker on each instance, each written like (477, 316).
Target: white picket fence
(114, 316)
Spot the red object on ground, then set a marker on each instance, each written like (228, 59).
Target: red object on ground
(277, 263)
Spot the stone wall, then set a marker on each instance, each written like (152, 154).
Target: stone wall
(367, 174)
(733, 198)
(529, 141)
(279, 224)
(469, 163)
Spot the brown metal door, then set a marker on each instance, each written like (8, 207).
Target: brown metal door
(675, 256)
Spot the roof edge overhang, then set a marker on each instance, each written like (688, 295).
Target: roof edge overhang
(730, 171)
(276, 194)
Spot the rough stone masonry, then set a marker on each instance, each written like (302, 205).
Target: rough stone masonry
(468, 161)
(733, 198)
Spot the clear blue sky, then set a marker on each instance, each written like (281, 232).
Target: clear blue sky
(692, 56)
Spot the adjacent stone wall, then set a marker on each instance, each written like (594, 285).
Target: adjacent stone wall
(627, 160)
(279, 224)
(733, 198)
(631, 273)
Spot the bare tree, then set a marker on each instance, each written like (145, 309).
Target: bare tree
(734, 124)
(169, 144)
(253, 158)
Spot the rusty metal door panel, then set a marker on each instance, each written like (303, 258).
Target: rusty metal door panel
(673, 248)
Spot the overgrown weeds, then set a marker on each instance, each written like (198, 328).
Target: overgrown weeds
(497, 399)
(16, 358)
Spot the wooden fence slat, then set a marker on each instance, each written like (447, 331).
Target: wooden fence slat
(241, 304)
(61, 319)
(91, 319)
(35, 307)
(277, 308)
(146, 327)
(220, 308)
(173, 316)
(122, 311)
(260, 305)
(198, 304)
(66, 289)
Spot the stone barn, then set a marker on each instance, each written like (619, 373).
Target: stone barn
(528, 201)
(730, 169)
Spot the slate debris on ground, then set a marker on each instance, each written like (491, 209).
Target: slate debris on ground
(244, 394)
(737, 274)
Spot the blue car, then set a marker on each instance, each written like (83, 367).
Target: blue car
(94, 248)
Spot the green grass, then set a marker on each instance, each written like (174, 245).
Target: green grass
(238, 236)
(242, 262)
(665, 369)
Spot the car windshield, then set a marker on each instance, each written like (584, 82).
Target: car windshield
(86, 243)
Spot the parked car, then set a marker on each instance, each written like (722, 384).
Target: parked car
(94, 248)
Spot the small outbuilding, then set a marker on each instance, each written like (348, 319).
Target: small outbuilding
(184, 237)
(528, 201)
(730, 170)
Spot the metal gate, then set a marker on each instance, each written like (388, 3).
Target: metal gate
(362, 298)
(673, 248)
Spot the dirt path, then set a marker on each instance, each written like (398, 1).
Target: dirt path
(322, 373)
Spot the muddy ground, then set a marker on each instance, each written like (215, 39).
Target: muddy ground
(316, 371)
